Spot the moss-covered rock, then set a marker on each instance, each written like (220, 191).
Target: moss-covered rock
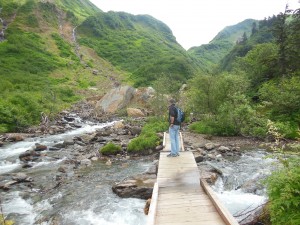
(110, 149)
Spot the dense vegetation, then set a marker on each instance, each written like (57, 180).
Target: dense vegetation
(284, 183)
(260, 81)
(140, 45)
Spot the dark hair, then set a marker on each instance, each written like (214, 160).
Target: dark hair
(172, 101)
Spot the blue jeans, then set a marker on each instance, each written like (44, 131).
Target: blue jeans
(174, 138)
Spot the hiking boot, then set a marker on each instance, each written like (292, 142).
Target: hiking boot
(171, 155)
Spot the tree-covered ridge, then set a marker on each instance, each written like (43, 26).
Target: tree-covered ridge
(211, 54)
(261, 33)
(140, 45)
(256, 82)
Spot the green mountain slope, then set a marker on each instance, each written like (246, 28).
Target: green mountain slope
(211, 54)
(41, 70)
(141, 45)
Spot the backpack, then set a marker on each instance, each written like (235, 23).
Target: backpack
(180, 115)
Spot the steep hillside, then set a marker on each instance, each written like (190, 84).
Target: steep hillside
(42, 69)
(141, 45)
(211, 54)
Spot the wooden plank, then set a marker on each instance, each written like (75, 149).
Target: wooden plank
(180, 198)
(153, 206)
(193, 206)
(197, 203)
(193, 223)
(186, 216)
(224, 213)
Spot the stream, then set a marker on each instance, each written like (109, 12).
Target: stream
(83, 196)
(239, 187)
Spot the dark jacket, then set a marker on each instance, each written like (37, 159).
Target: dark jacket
(173, 113)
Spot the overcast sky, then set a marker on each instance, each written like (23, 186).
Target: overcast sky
(196, 22)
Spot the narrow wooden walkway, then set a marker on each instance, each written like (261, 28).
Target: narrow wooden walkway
(179, 199)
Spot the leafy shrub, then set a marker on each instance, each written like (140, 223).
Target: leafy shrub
(143, 142)
(283, 190)
(110, 149)
(201, 127)
(234, 117)
(148, 138)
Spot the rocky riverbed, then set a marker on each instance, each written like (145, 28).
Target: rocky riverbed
(61, 158)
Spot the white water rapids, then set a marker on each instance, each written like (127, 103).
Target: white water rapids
(239, 188)
(90, 201)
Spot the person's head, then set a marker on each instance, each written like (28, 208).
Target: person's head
(172, 101)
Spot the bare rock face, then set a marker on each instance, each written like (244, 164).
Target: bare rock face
(133, 112)
(142, 95)
(115, 100)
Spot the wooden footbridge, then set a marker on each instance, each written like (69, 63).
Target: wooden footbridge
(180, 197)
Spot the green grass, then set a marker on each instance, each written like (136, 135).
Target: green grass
(110, 149)
(148, 138)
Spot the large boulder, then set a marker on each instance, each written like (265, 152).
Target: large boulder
(133, 112)
(140, 186)
(115, 100)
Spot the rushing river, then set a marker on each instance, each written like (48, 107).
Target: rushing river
(240, 188)
(85, 199)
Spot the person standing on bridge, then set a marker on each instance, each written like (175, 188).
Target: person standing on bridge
(174, 127)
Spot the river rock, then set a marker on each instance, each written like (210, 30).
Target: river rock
(85, 162)
(199, 158)
(54, 148)
(133, 112)
(68, 141)
(153, 168)
(22, 177)
(104, 132)
(223, 149)
(6, 186)
(15, 137)
(61, 169)
(140, 186)
(134, 130)
(119, 125)
(26, 165)
(1, 143)
(59, 145)
(29, 155)
(159, 148)
(209, 146)
(39, 147)
(80, 143)
(88, 138)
